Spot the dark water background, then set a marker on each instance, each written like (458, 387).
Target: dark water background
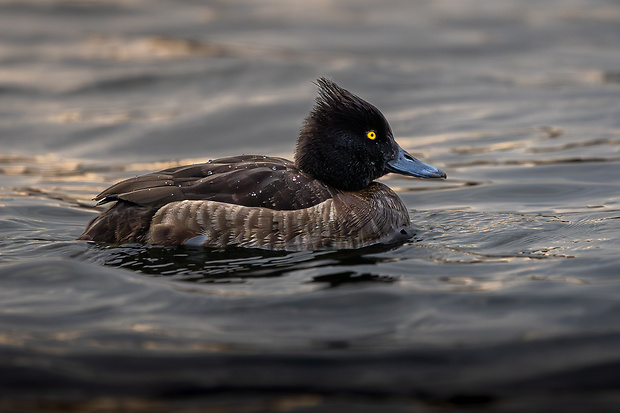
(508, 299)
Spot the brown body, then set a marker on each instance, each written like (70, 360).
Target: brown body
(247, 201)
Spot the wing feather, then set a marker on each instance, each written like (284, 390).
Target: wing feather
(249, 180)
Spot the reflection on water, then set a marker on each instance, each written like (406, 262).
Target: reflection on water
(506, 298)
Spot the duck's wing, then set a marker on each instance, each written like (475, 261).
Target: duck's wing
(249, 180)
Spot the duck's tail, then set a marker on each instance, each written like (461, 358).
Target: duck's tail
(123, 223)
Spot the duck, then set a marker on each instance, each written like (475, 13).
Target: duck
(327, 198)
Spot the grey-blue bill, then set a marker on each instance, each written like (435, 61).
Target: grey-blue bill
(405, 164)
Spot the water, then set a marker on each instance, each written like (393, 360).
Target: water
(506, 299)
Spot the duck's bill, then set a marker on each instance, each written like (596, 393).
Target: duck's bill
(406, 164)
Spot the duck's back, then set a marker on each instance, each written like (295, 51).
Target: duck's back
(248, 180)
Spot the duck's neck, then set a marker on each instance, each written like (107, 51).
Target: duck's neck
(333, 167)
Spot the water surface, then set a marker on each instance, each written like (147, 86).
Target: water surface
(505, 300)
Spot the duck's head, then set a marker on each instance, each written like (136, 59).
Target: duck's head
(347, 143)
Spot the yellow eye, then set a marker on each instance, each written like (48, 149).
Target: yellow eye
(371, 135)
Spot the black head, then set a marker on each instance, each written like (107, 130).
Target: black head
(347, 143)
